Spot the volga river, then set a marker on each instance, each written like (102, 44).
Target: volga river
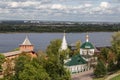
(10, 41)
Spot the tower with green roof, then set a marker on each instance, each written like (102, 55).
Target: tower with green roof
(87, 51)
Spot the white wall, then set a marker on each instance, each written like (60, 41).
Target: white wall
(78, 68)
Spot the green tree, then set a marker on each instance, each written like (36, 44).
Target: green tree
(29, 69)
(2, 59)
(78, 43)
(33, 71)
(104, 54)
(54, 64)
(116, 46)
(54, 47)
(100, 69)
(111, 66)
(21, 61)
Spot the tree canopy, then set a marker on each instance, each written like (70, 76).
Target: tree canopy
(2, 59)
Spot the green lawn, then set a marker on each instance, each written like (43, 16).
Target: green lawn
(116, 78)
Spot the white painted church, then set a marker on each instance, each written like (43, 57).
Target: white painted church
(82, 61)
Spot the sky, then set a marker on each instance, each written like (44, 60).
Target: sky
(61, 10)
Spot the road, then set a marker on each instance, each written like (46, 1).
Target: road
(87, 75)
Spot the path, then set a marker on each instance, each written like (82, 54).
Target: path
(1, 76)
(87, 75)
(111, 76)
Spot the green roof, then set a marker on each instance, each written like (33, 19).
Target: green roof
(87, 45)
(76, 60)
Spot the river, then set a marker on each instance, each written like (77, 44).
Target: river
(10, 41)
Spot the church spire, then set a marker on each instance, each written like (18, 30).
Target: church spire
(64, 42)
(87, 37)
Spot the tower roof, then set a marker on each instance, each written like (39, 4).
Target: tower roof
(87, 44)
(87, 37)
(64, 43)
(26, 41)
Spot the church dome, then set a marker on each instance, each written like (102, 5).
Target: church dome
(87, 45)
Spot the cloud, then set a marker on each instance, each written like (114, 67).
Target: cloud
(52, 8)
(58, 6)
(23, 4)
(13, 4)
(104, 5)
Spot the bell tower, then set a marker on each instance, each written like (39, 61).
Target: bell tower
(64, 43)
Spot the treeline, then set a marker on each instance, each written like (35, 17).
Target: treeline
(109, 58)
(35, 27)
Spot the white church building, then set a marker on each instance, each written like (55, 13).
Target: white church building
(82, 61)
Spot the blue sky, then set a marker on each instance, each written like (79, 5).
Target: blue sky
(61, 10)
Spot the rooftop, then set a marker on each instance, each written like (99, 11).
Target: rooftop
(7, 54)
(26, 41)
(76, 60)
(87, 45)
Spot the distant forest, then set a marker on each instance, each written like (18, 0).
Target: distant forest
(57, 27)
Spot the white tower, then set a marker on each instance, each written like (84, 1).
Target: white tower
(64, 43)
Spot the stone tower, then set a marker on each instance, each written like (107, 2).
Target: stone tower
(26, 45)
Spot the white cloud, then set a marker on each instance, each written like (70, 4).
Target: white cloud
(88, 5)
(13, 4)
(104, 5)
(58, 6)
(23, 4)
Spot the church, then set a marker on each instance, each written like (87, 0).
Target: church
(82, 61)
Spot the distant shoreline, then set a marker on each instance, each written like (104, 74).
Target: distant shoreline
(56, 27)
(53, 32)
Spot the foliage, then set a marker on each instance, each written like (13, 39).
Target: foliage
(54, 64)
(29, 69)
(74, 49)
(111, 66)
(77, 44)
(2, 59)
(104, 54)
(54, 47)
(33, 71)
(116, 46)
(100, 69)
(20, 62)
(109, 57)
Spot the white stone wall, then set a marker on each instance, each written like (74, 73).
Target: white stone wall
(78, 68)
